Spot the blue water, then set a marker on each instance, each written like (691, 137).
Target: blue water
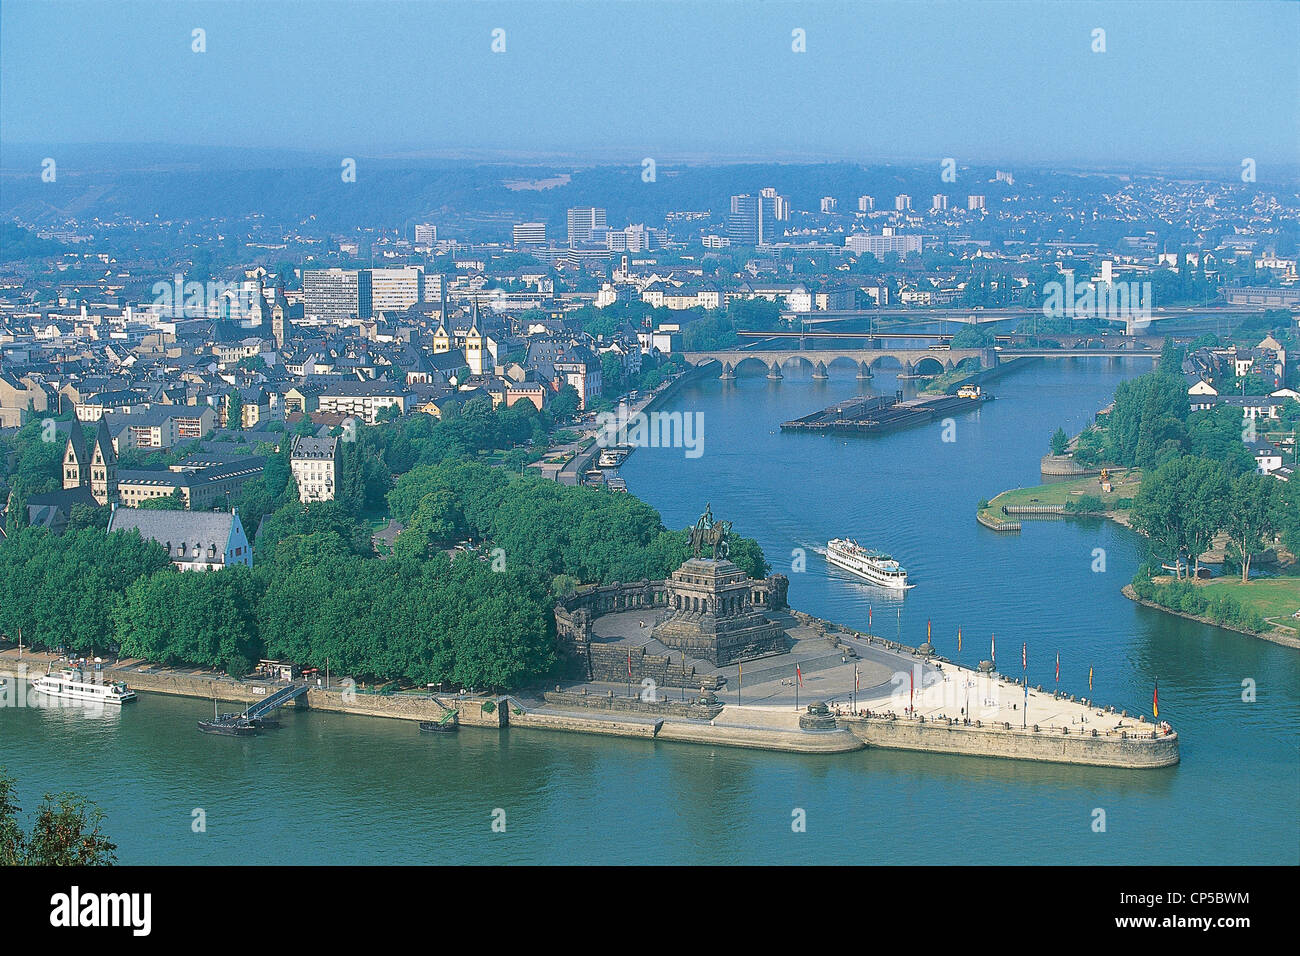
(332, 789)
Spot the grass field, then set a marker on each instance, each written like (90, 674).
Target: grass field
(1124, 481)
(1275, 598)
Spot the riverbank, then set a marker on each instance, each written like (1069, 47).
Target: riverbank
(572, 472)
(1287, 637)
(930, 719)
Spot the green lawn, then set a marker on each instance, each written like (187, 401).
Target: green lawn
(1275, 598)
(1125, 483)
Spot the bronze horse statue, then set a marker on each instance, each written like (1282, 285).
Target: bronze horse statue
(710, 533)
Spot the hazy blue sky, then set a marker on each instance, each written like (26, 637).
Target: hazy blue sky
(1179, 81)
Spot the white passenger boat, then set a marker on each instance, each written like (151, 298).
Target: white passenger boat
(876, 566)
(72, 685)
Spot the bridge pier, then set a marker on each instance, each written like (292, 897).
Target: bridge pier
(909, 369)
(728, 373)
(819, 372)
(774, 373)
(864, 372)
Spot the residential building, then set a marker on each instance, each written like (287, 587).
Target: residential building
(315, 466)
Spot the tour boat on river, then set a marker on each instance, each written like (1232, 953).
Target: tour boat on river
(71, 684)
(876, 566)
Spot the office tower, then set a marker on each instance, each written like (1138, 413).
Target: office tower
(396, 290)
(529, 233)
(426, 234)
(586, 223)
(336, 295)
(880, 245)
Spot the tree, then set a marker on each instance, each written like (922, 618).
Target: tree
(235, 410)
(1059, 441)
(1181, 506)
(564, 405)
(13, 842)
(68, 832)
(1253, 514)
(173, 502)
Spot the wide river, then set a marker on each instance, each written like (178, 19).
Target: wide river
(333, 789)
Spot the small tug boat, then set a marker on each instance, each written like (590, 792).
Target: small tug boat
(229, 725)
(449, 724)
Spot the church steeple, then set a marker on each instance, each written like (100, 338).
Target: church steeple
(76, 459)
(103, 466)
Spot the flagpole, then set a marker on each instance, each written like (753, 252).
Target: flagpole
(1024, 663)
(740, 683)
(796, 686)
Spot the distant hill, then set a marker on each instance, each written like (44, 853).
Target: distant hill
(471, 199)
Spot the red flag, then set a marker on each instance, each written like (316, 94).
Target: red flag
(1155, 700)
(1058, 667)
(857, 684)
(927, 632)
(629, 663)
(798, 674)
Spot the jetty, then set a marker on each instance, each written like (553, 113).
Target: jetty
(882, 413)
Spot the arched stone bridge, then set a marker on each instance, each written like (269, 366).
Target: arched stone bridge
(864, 361)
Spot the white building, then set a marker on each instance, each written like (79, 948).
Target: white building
(315, 466)
(396, 290)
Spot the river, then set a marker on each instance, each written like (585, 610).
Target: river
(333, 789)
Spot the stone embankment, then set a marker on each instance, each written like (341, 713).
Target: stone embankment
(1136, 750)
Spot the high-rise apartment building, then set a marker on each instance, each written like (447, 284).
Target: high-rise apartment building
(426, 234)
(902, 203)
(753, 219)
(866, 204)
(780, 205)
(829, 203)
(939, 202)
(974, 202)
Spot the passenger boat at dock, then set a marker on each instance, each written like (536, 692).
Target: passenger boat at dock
(71, 684)
(876, 566)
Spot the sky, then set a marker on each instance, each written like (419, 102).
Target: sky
(1179, 82)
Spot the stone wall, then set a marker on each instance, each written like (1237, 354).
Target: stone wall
(633, 705)
(608, 663)
(940, 737)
